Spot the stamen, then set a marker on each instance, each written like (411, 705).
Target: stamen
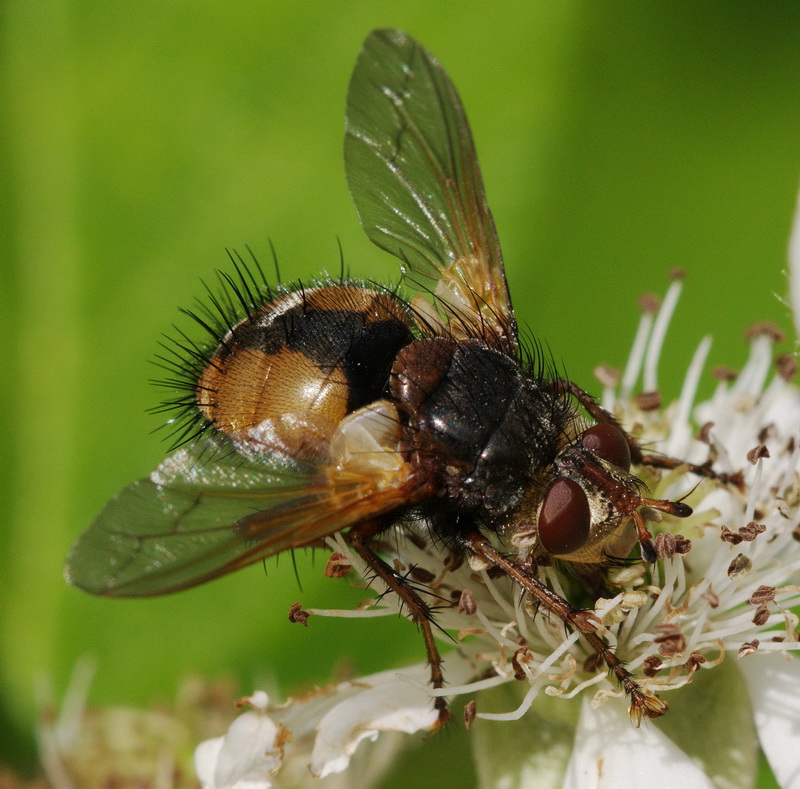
(768, 646)
(534, 691)
(516, 714)
(660, 327)
(636, 358)
(501, 600)
(353, 613)
(587, 683)
(454, 690)
(521, 618)
(755, 492)
(751, 380)
(680, 431)
(492, 630)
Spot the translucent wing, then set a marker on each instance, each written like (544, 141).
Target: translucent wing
(204, 513)
(414, 177)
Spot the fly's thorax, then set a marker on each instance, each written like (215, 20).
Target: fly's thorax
(307, 358)
(486, 424)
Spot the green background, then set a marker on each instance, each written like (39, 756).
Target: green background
(617, 141)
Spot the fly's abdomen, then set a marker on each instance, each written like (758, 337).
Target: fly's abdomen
(320, 353)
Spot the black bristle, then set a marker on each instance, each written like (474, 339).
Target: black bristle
(237, 295)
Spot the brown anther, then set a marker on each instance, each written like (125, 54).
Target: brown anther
(756, 453)
(608, 376)
(668, 545)
(421, 575)
(671, 641)
(739, 567)
(682, 544)
(722, 373)
(764, 329)
(711, 598)
(695, 661)
(672, 646)
(749, 532)
(298, 615)
(762, 595)
(453, 561)
(470, 709)
(665, 545)
(748, 648)
(786, 365)
(676, 273)
(796, 533)
(467, 604)
(649, 401)
(736, 479)
(338, 565)
(766, 432)
(761, 616)
(649, 303)
(728, 536)
(652, 665)
(522, 655)
(704, 433)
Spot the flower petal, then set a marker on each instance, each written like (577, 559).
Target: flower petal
(547, 731)
(711, 721)
(774, 688)
(610, 752)
(246, 757)
(389, 703)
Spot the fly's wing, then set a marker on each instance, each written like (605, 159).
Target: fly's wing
(205, 512)
(414, 177)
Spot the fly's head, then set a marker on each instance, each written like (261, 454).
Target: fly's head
(588, 511)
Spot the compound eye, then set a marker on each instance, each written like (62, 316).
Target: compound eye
(565, 517)
(608, 443)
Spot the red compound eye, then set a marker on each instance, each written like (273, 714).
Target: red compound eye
(565, 517)
(608, 443)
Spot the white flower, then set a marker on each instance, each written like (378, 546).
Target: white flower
(712, 632)
(316, 735)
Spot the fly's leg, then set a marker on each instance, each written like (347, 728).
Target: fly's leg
(599, 414)
(642, 704)
(421, 614)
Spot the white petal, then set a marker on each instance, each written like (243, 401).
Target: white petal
(389, 703)
(547, 731)
(774, 688)
(206, 756)
(246, 757)
(611, 752)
